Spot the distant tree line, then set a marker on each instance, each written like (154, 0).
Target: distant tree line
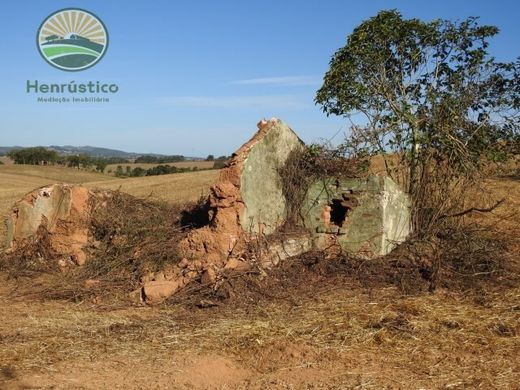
(33, 156)
(148, 159)
(154, 171)
(219, 162)
(43, 156)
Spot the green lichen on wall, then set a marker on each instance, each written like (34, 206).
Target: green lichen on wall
(261, 185)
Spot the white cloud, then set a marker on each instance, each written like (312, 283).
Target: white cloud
(284, 81)
(279, 102)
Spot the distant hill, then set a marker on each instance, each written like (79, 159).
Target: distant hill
(92, 151)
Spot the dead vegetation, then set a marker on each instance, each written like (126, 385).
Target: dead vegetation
(441, 311)
(131, 237)
(329, 322)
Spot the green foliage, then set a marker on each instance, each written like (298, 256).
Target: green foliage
(220, 162)
(85, 160)
(73, 161)
(147, 159)
(210, 157)
(161, 170)
(423, 88)
(100, 164)
(138, 172)
(154, 171)
(119, 171)
(113, 160)
(428, 93)
(33, 156)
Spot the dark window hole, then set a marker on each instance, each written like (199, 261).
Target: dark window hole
(338, 212)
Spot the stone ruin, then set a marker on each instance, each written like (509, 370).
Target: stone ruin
(365, 217)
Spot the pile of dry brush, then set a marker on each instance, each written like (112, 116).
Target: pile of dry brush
(132, 237)
(129, 238)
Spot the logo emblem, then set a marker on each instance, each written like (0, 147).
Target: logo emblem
(72, 39)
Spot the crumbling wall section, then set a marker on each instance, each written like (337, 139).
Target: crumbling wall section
(261, 186)
(367, 217)
(247, 198)
(61, 210)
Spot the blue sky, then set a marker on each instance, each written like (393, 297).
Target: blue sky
(195, 77)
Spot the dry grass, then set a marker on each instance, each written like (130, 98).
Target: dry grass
(315, 330)
(48, 174)
(354, 337)
(174, 188)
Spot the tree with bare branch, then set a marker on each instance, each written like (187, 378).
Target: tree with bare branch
(428, 94)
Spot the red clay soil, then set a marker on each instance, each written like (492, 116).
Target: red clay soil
(224, 237)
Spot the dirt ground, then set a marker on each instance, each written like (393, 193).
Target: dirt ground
(316, 322)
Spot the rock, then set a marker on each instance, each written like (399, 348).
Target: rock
(237, 265)
(155, 292)
(208, 277)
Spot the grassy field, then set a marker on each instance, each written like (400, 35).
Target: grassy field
(174, 188)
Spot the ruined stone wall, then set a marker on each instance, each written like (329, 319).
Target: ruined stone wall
(248, 196)
(367, 217)
(62, 210)
(261, 186)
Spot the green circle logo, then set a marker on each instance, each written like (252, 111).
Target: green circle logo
(72, 39)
